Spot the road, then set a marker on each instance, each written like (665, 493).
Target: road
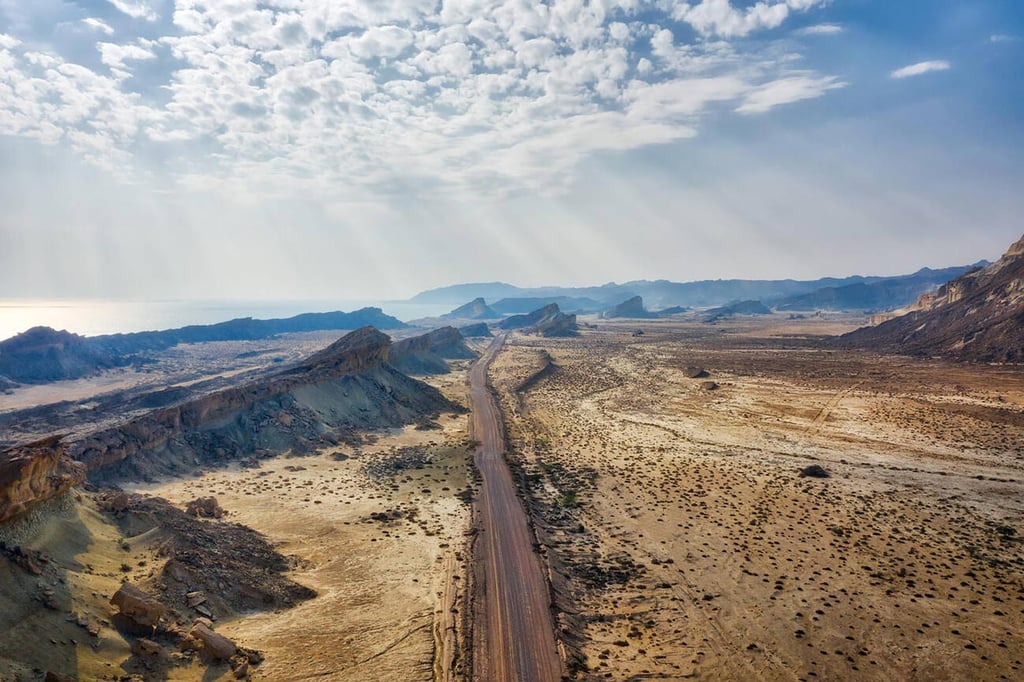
(513, 631)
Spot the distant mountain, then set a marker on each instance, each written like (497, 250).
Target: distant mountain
(658, 293)
(42, 354)
(630, 308)
(673, 310)
(511, 306)
(978, 316)
(887, 294)
(477, 309)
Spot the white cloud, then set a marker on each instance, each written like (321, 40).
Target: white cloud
(920, 68)
(325, 97)
(786, 91)
(98, 25)
(1002, 38)
(8, 42)
(114, 55)
(820, 30)
(137, 9)
(720, 18)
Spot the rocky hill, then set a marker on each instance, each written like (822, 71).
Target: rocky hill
(477, 309)
(42, 354)
(426, 354)
(346, 388)
(35, 472)
(630, 308)
(976, 317)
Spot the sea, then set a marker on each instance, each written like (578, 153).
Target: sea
(95, 317)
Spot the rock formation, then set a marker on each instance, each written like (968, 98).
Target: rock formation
(630, 308)
(976, 317)
(478, 330)
(546, 321)
(426, 354)
(345, 387)
(137, 609)
(42, 354)
(35, 472)
(477, 309)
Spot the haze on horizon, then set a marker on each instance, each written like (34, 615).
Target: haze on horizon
(358, 150)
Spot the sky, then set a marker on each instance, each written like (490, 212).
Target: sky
(353, 149)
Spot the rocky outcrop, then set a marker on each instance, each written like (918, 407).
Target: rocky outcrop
(345, 387)
(630, 308)
(426, 354)
(35, 472)
(478, 330)
(477, 309)
(976, 317)
(546, 321)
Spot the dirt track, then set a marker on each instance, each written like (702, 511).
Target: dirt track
(513, 632)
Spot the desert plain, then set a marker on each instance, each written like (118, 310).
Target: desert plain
(729, 501)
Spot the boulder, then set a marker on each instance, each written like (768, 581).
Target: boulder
(137, 607)
(814, 471)
(215, 645)
(204, 507)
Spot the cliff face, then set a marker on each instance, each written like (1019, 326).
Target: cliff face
(978, 316)
(35, 472)
(529, 319)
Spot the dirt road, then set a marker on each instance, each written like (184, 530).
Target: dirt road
(513, 631)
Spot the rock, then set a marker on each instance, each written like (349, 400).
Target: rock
(138, 607)
(630, 308)
(146, 647)
(204, 507)
(709, 385)
(477, 309)
(426, 354)
(35, 472)
(814, 471)
(695, 372)
(195, 598)
(480, 329)
(215, 645)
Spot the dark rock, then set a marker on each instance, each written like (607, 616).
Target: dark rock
(814, 471)
(204, 507)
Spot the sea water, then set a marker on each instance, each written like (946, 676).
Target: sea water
(93, 317)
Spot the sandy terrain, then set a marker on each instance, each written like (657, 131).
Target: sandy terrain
(685, 545)
(380, 535)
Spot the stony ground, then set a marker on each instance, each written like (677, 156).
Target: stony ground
(685, 544)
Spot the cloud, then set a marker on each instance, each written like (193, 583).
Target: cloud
(786, 91)
(820, 30)
(720, 18)
(399, 96)
(1003, 38)
(98, 25)
(920, 68)
(136, 9)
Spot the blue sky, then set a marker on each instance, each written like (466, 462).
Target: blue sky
(349, 149)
